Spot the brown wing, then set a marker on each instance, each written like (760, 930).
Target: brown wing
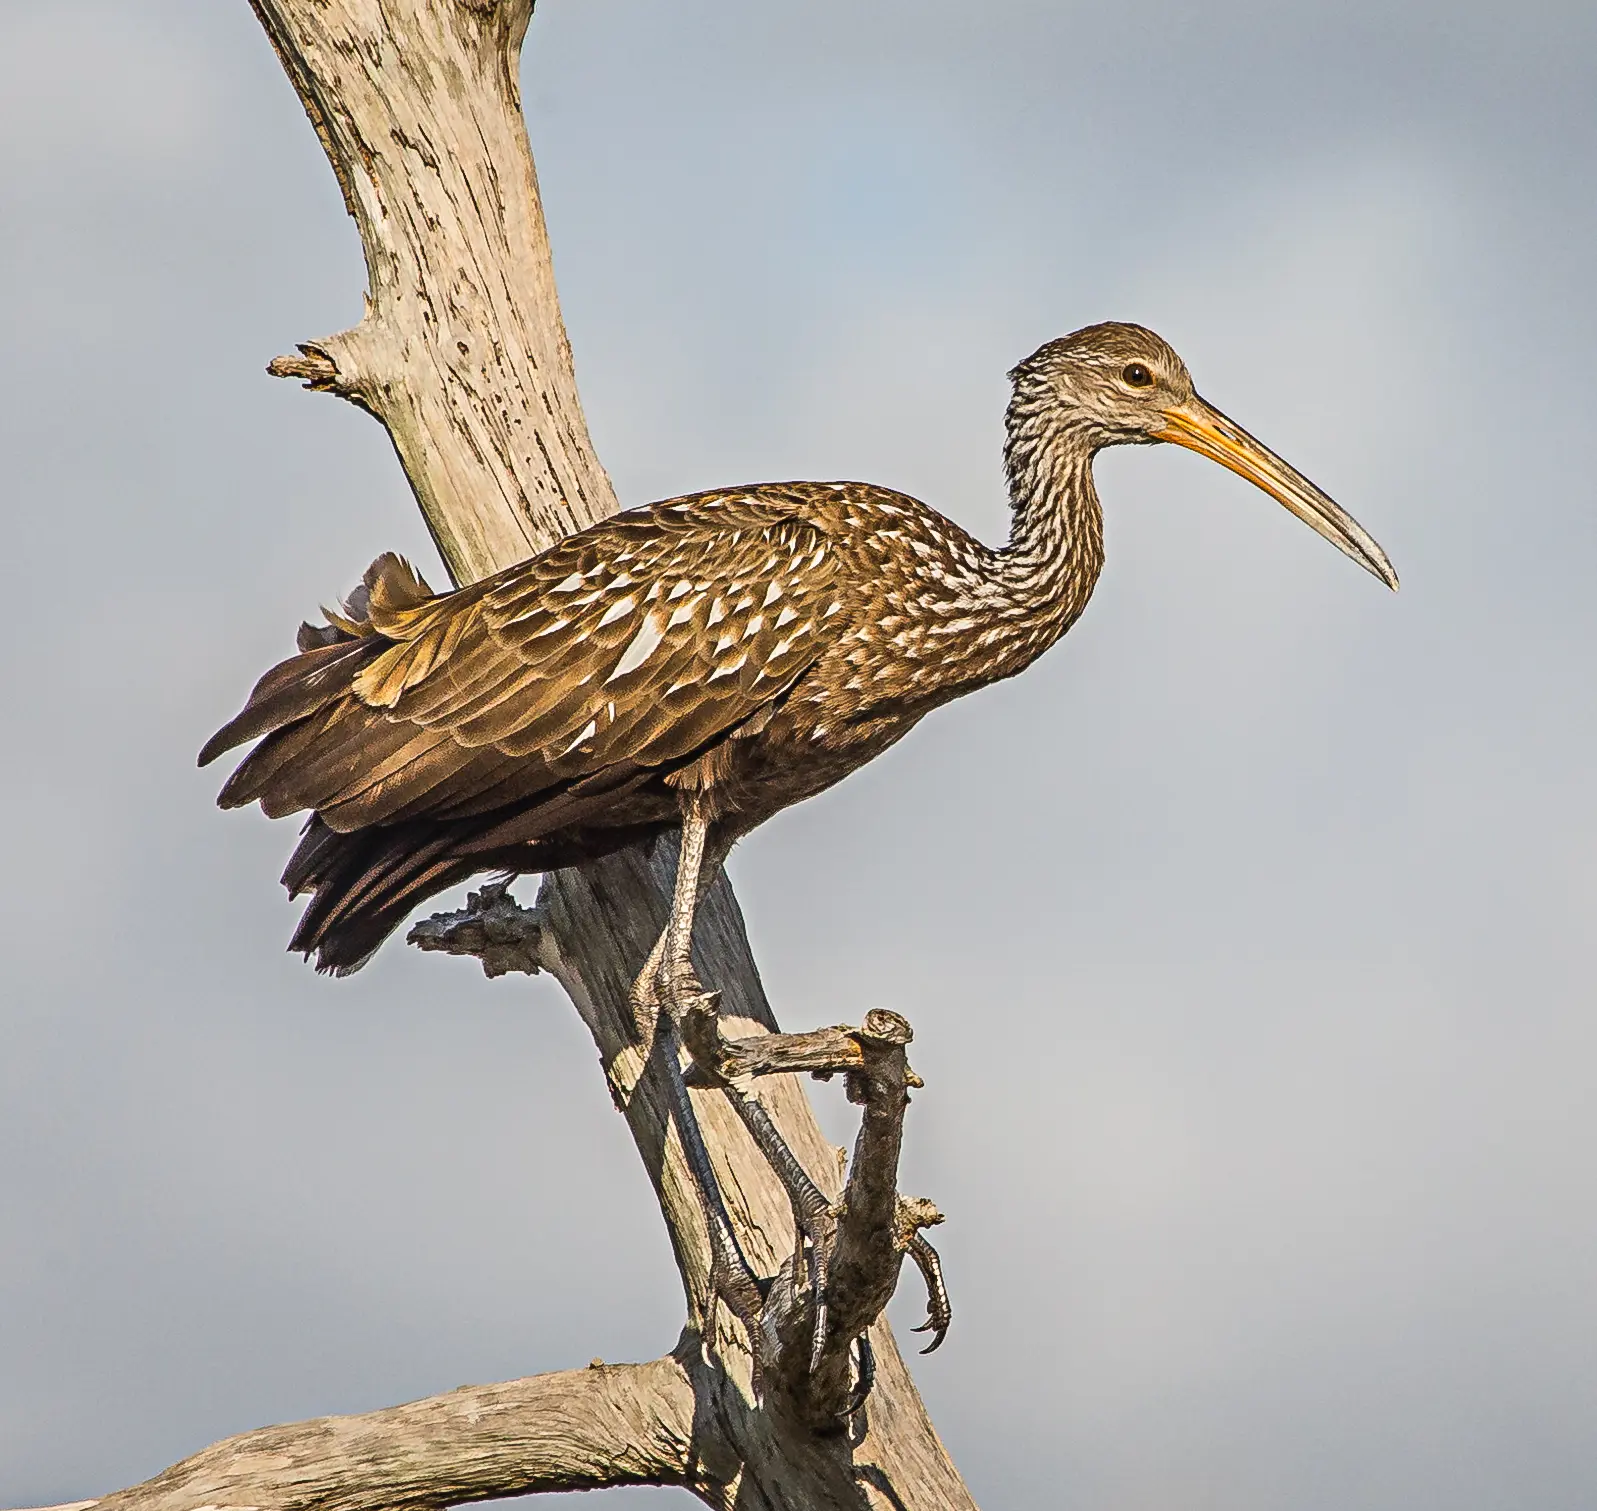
(629, 646)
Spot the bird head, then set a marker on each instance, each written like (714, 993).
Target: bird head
(1116, 385)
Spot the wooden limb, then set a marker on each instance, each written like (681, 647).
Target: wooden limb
(862, 1238)
(868, 1258)
(875, 1227)
(462, 353)
(580, 1429)
(891, 1456)
(823, 1053)
(317, 369)
(463, 357)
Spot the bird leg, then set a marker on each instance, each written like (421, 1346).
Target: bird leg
(731, 1277)
(697, 863)
(807, 1324)
(671, 1004)
(668, 981)
(814, 1216)
(664, 990)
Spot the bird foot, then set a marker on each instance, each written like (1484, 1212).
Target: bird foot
(695, 1014)
(661, 988)
(915, 1213)
(807, 1329)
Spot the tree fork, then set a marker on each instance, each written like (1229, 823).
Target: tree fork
(463, 356)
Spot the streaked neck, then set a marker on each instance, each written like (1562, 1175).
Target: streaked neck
(1055, 549)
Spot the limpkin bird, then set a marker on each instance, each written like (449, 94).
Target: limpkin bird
(702, 662)
(696, 664)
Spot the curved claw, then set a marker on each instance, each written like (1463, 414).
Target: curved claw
(939, 1310)
(818, 1342)
(936, 1342)
(820, 1265)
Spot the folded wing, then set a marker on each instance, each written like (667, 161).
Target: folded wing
(632, 646)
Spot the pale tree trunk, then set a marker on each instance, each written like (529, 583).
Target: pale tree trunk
(462, 355)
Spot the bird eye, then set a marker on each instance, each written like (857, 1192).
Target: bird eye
(1135, 375)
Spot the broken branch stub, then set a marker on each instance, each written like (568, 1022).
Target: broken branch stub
(493, 928)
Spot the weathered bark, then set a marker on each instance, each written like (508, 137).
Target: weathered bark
(870, 1227)
(463, 357)
(462, 353)
(629, 1424)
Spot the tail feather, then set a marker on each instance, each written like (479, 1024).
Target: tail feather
(330, 656)
(319, 762)
(364, 886)
(293, 690)
(399, 811)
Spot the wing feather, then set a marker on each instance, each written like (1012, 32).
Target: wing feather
(633, 644)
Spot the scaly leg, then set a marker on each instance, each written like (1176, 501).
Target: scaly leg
(812, 1213)
(696, 865)
(731, 1275)
(667, 980)
(675, 985)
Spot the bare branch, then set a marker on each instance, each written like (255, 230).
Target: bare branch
(862, 1238)
(315, 367)
(871, 1227)
(823, 1052)
(462, 355)
(580, 1429)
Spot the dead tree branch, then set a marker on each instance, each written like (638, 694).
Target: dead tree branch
(462, 356)
(581, 1429)
(872, 1226)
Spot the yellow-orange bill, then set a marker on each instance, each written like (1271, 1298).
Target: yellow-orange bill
(1200, 427)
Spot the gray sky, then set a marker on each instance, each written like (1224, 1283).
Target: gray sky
(1247, 937)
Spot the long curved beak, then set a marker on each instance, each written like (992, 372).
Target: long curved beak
(1200, 427)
